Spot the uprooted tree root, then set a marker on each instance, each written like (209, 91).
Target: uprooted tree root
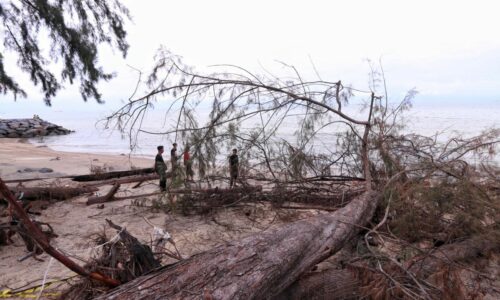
(122, 259)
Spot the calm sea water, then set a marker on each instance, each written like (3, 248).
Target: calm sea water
(90, 136)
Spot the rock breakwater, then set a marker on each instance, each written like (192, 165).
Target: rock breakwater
(28, 128)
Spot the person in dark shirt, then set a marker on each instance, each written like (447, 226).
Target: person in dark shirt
(161, 168)
(233, 168)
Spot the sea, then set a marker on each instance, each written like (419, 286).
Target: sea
(442, 120)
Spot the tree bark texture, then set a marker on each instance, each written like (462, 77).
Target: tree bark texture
(328, 284)
(259, 266)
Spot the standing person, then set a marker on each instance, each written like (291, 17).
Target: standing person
(173, 157)
(161, 169)
(188, 164)
(233, 167)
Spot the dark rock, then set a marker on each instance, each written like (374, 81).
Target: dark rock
(45, 170)
(31, 170)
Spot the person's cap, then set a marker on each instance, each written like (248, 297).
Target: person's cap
(235, 150)
(159, 147)
(175, 144)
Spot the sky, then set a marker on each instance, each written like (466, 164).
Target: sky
(448, 50)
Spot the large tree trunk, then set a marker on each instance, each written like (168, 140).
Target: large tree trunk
(257, 267)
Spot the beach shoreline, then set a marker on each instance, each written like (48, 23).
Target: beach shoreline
(18, 155)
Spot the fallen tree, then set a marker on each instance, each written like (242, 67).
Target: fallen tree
(201, 201)
(257, 267)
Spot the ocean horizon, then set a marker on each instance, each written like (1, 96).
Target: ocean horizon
(90, 136)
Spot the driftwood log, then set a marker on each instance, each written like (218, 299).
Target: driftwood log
(50, 193)
(110, 175)
(90, 177)
(258, 267)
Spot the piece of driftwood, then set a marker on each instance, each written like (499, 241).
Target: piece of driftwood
(114, 174)
(35, 179)
(90, 177)
(106, 198)
(49, 193)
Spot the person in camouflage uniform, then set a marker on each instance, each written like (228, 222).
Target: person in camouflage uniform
(233, 168)
(161, 168)
(173, 158)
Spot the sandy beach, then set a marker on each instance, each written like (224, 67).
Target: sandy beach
(18, 154)
(77, 224)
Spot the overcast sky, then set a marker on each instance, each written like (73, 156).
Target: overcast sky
(448, 50)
